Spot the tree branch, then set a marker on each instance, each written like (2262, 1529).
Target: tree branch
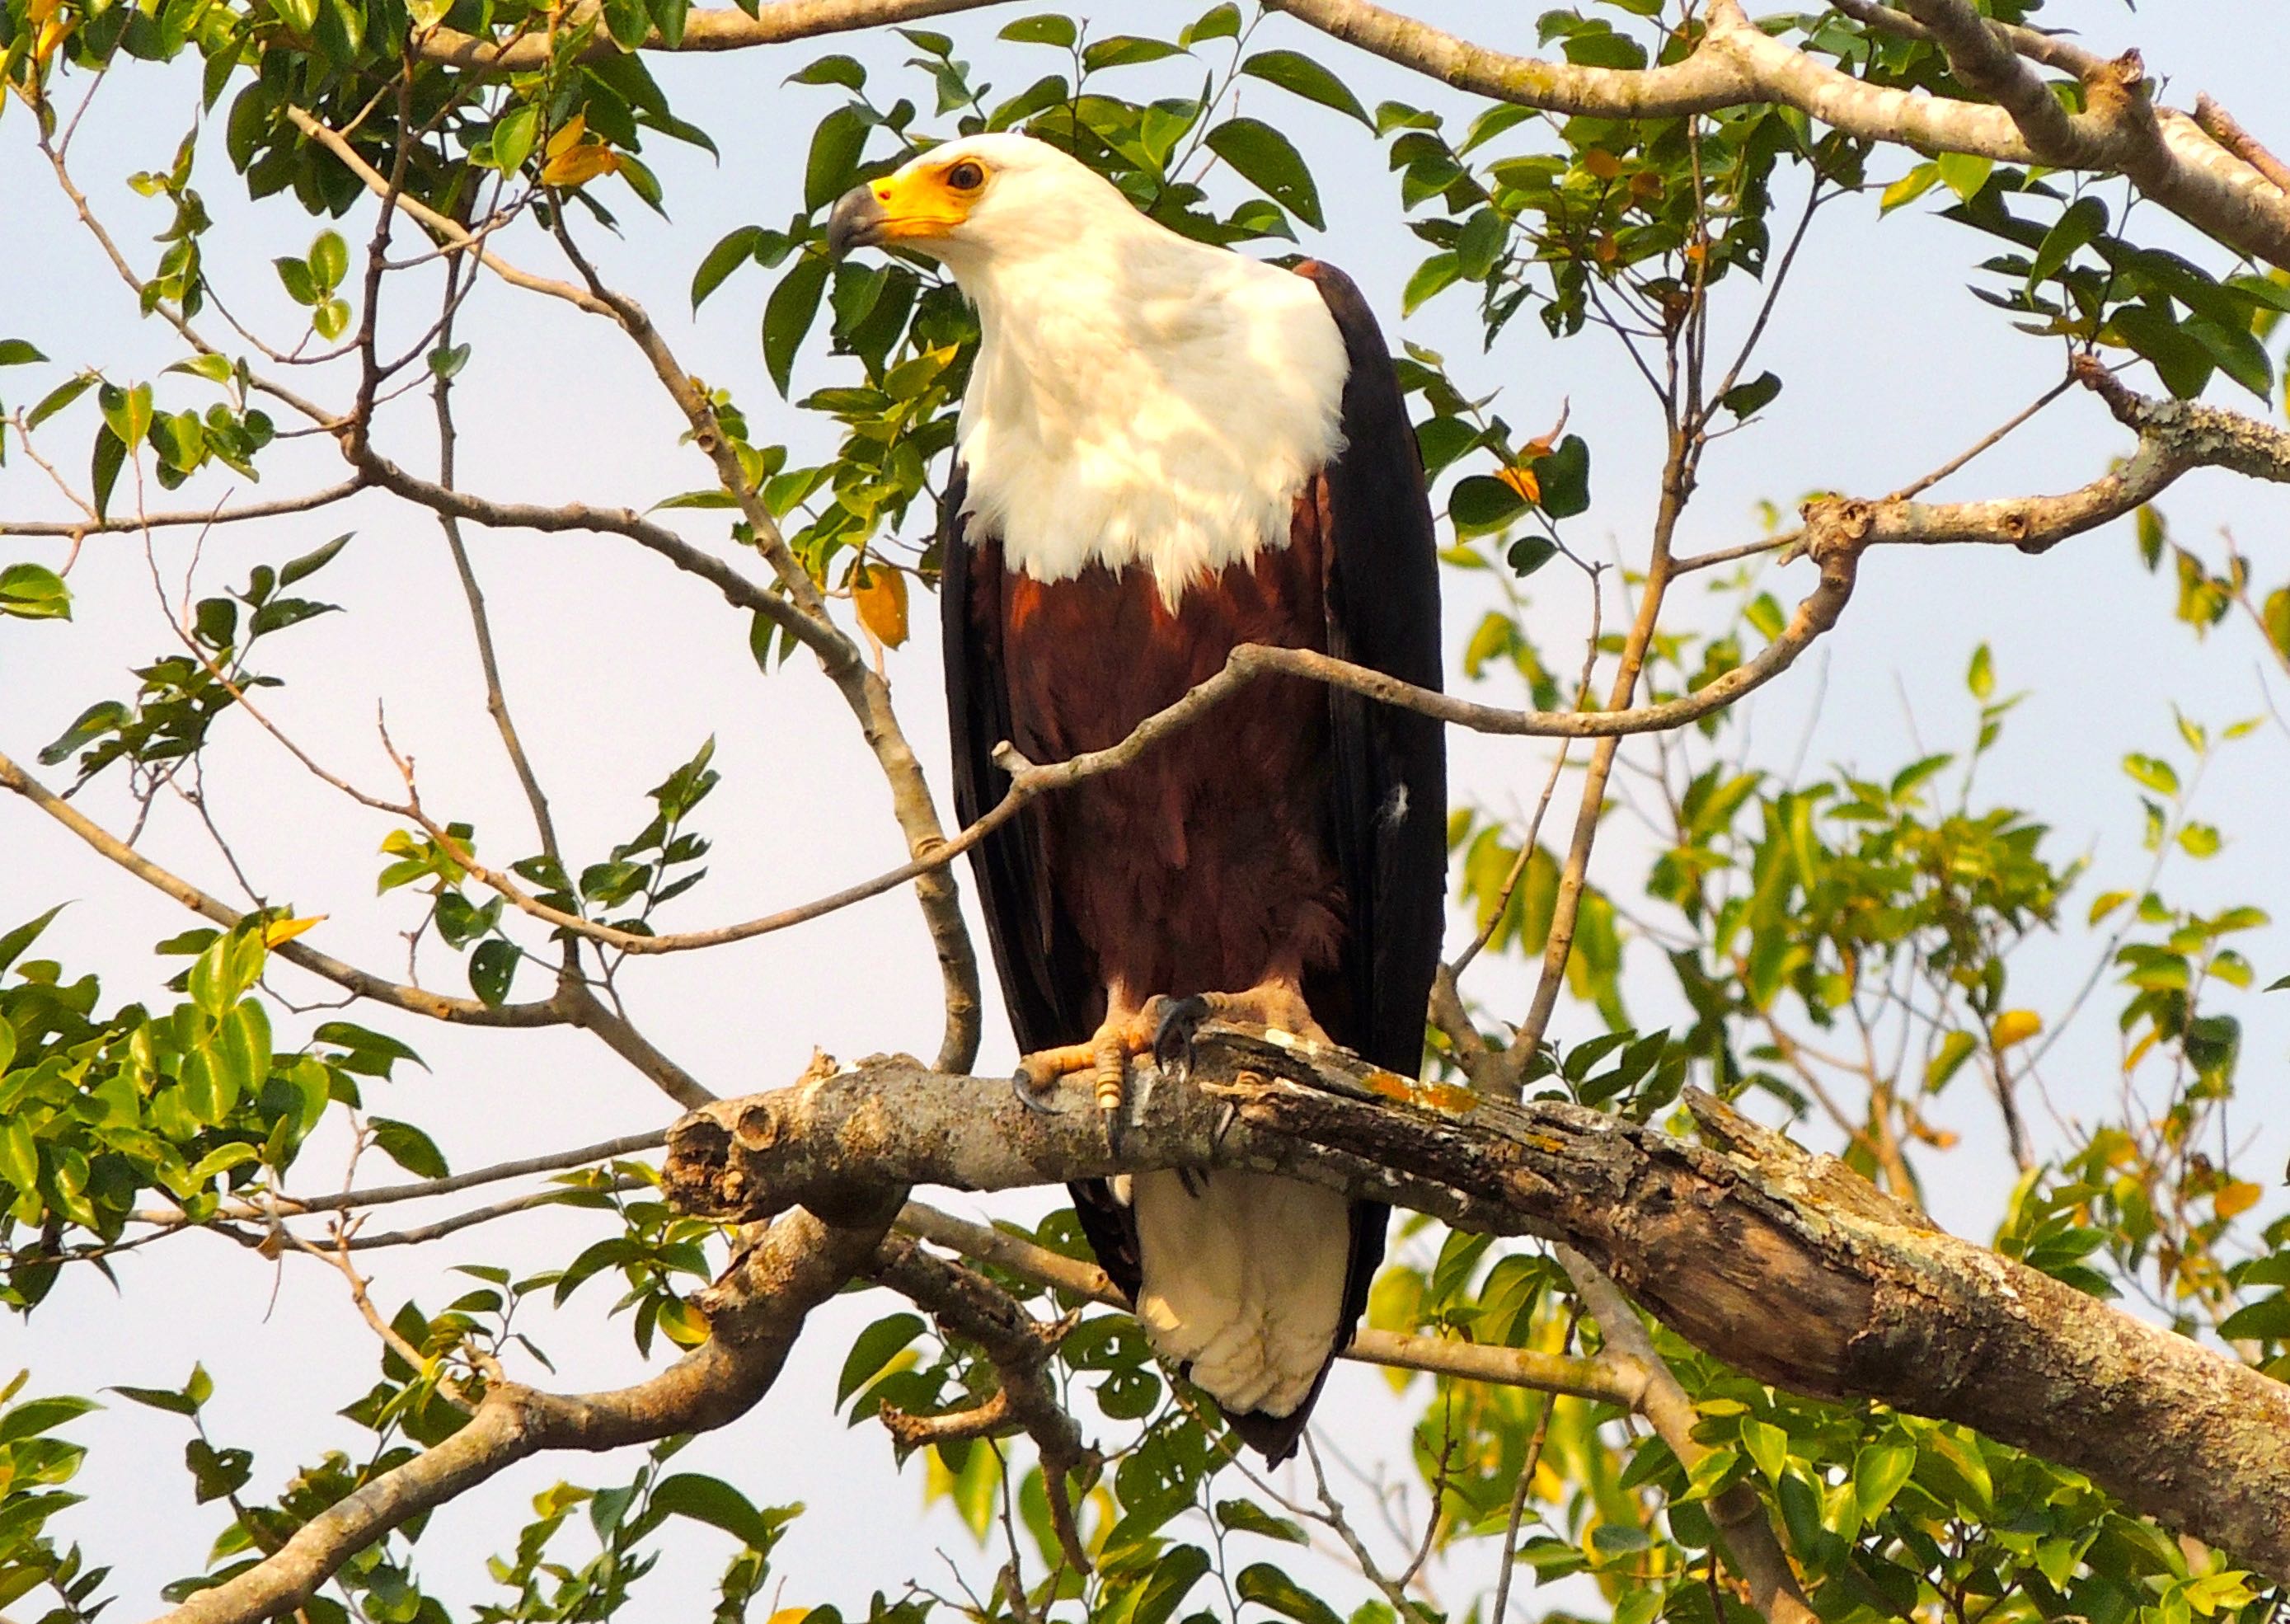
(1738, 64)
(863, 691)
(1785, 1266)
(187, 519)
(777, 22)
(1751, 1546)
(1605, 1380)
(755, 1312)
(365, 984)
(967, 1304)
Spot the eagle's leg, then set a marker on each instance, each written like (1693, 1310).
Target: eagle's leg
(1276, 1002)
(1129, 1028)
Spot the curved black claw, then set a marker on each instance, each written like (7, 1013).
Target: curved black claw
(1173, 1036)
(1033, 1100)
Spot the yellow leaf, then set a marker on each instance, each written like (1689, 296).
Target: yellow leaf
(1602, 163)
(288, 929)
(2238, 1197)
(1523, 481)
(790, 1615)
(578, 165)
(2015, 1026)
(880, 593)
(568, 136)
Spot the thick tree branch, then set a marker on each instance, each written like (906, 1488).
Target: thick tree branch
(777, 22)
(1784, 1264)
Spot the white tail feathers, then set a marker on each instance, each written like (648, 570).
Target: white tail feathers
(1244, 1281)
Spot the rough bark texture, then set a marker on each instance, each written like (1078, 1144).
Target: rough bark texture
(1780, 1263)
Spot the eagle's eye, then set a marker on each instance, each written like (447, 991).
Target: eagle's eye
(966, 176)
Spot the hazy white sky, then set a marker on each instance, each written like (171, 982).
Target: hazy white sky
(619, 668)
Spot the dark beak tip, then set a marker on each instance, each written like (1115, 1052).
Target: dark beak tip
(857, 218)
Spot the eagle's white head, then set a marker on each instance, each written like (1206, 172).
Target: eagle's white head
(1138, 397)
(988, 202)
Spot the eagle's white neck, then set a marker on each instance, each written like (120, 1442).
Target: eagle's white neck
(1141, 399)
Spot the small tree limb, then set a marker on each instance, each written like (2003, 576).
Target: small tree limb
(754, 1314)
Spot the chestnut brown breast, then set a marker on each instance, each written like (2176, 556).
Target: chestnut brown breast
(1206, 864)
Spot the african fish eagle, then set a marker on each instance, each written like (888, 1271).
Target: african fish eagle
(1166, 450)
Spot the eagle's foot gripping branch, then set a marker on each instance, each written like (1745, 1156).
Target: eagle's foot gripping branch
(1163, 1028)
(1127, 1031)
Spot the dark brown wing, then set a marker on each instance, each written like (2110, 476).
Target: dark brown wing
(1052, 998)
(1388, 806)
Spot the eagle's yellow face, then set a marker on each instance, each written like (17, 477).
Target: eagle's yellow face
(929, 198)
(920, 207)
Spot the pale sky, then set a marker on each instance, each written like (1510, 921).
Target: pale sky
(619, 667)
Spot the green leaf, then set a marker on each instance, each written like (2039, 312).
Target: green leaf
(1529, 553)
(2155, 774)
(627, 22)
(13, 943)
(1266, 159)
(19, 1157)
(1480, 503)
(1220, 22)
(514, 136)
(1964, 172)
(1480, 246)
(2240, 355)
(719, 1505)
(159, 1398)
(834, 161)
(56, 399)
(734, 250)
(312, 562)
(1748, 399)
(2179, 359)
(1909, 188)
(295, 276)
(493, 967)
(1173, 1577)
(1268, 1586)
(1878, 1472)
(1766, 1445)
(330, 259)
(1434, 275)
(1981, 679)
(1246, 1516)
(876, 1347)
(1047, 29)
(17, 352)
(1124, 50)
(35, 1416)
(1295, 72)
(110, 456)
(2083, 219)
(842, 71)
(127, 411)
(789, 314)
(1564, 476)
(34, 592)
(409, 1147)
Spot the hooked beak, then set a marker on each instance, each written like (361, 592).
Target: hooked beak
(857, 222)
